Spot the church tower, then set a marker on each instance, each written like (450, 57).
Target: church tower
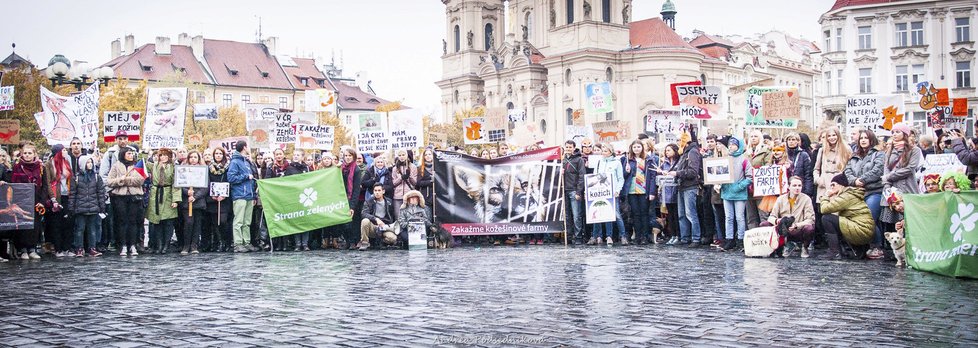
(669, 14)
(472, 28)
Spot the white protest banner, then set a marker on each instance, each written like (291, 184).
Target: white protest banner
(878, 113)
(205, 112)
(700, 102)
(578, 133)
(667, 124)
(257, 112)
(261, 135)
(320, 100)
(115, 121)
(755, 110)
(769, 181)
(227, 143)
(599, 100)
(6, 98)
(782, 104)
(941, 163)
(285, 122)
(314, 137)
(600, 198)
(517, 115)
(526, 134)
(496, 124)
(406, 129)
(474, 134)
(190, 176)
(63, 118)
(372, 133)
(166, 113)
(220, 189)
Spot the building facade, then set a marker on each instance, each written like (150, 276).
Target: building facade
(887, 47)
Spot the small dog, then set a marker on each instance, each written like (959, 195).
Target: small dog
(782, 229)
(898, 243)
(441, 237)
(656, 231)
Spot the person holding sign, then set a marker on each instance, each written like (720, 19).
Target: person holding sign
(404, 177)
(667, 192)
(734, 195)
(29, 170)
(217, 235)
(611, 168)
(639, 187)
(797, 205)
(196, 198)
(163, 201)
(865, 170)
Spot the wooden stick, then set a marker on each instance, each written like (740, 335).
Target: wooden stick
(190, 207)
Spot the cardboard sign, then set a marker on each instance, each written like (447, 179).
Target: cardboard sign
(6, 98)
(190, 176)
(782, 104)
(438, 138)
(10, 132)
(716, 170)
(675, 96)
(878, 113)
(699, 102)
(220, 189)
(600, 198)
(960, 107)
(760, 242)
(610, 131)
(943, 99)
(114, 121)
(770, 181)
(755, 115)
(314, 137)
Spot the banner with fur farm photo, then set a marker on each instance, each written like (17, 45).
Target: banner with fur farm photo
(519, 194)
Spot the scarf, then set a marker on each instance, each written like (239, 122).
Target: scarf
(219, 168)
(33, 171)
(348, 170)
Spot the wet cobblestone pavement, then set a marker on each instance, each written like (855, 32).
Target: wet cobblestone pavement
(524, 296)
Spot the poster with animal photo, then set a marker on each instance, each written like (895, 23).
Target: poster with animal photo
(599, 99)
(755, 110)
(610, 131)
(600, 198)
(716, 170)
(313, 137)
(473, 131)
(10, 132)
(406, 129)
(63, 118)
(520, 194)
(220, 189)
(878, 113)
(205, 112)
(667, 125)
(115, 121)
(190, 176)
(372, 133)
(700, 102)
(166, 112)
(16, 207)
(255, 112)
(6, 98)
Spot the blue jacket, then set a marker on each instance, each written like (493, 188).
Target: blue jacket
(741, 173)
(612, 167)
(650, 174)
(242, 187)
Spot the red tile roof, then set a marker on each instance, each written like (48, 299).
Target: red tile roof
(848, 3)
(706, 40)
(145, 64)
(306, 68)
(653, 32)
(715, 51)
(352, 97)
(250, 61)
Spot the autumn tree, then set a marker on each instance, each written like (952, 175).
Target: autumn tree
(27, 84)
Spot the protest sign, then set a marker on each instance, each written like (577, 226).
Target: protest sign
(314, 137)
(190, 176)
(782, 104)
(372, 133)
(716, 170)
(10, 131)
(257, 112)
(496, 124)
(220, 189)
(304, 202)
(227, 143)
(600, 198)
(517, 115)
(667, 125)
(205, 112)
(6, 98)
(878, 113)
(195, 139)
(699, 102)
(941, 163)
(63, 118)
(770, 181)
(610, 131)
(18, 207)
(261, 135)
(438, 139)
(599, 100)
(285, 122)
(943, 98)
(675, 95)
(114, 121)
(320, 100)
(755, 110)
(960, 107)
(578, 133)
(406, 129)
(526, 134)
(474, 134)
(165, 117)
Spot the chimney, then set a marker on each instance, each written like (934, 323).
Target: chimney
(270, 44)
(362, 81)
(116, 48)
(183, 39)
(130, 44)
(197, 46)
(162, 45)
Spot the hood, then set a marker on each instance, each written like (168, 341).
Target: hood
(740, 146)
(413, 193)
(83, 162)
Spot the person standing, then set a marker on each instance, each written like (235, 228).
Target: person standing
(638, 189)
(163, 201)
(59, 222)
(865, 170)
(195, 197)
(109, 238)
(900, 163)
(241, 176)
(735, 194)
(610, 168)
(689, 172)
(29, 170)
(573, 171)
(126, 195)
(218, 237)
(404, 177)
(352, 177)
(87, 201)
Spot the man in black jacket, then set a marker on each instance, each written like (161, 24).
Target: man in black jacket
(689, 172)
(573, 172)
(378, 217)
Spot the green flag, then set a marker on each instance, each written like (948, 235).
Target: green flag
(941, 232)
(304, 202)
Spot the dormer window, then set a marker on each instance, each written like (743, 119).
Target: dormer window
(146, 68)
(373, 101)
(263, 73)
(352, 100)
(232, 72)
(304, 81)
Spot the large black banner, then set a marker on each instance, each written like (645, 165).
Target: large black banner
(16, 207)
(517, 194)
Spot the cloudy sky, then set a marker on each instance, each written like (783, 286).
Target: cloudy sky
(397, 42)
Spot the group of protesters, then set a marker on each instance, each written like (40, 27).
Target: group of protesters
(842, 194)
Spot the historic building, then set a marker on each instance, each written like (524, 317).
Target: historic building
(888, 46)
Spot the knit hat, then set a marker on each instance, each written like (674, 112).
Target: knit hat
(840, 179)
(894, 197)
(56, 149)
(902, 127)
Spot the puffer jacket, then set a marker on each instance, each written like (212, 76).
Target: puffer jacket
(87, 195)
(801, 161)
(855, 220)
(742, 174)
(901, 177)
(242, 187)
(413, 213)
(869, 169)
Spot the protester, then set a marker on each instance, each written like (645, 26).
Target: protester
(865, 170)
(195, 197)
(845, 216)
(126, 195)
(667, 192)
(797, 205)
(87, 202)
(404, 177)
(378, 217)
(298, 166)
(610, 167)
(900, 164)
(954, 182)
(759, 154)
(29, 170)
(352, 182)
(163, 203)
(689, 172)
(241, 176)
(573, 171)
(412, 211)
(426, 182)
(217, 234)
(715, 150)
(932, 183)
(639, 188)
(735, 195)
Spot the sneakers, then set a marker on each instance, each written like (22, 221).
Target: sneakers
(34, 256)
(624, 241)
(94, 252)
(874, 254)
(193, 251)
(716, 243)
(23, 256)
(184, 252)
(694, 245)
(609, 241)
(60, 254)
(673, 240)
(731, 244)
(788, 248)
(132, 251)
(80, 253)
(364, 246)
(804, 253)
(592, 241)
(122, 251)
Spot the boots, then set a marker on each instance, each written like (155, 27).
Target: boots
(834, 252)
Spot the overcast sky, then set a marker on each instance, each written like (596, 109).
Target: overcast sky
(397, 42)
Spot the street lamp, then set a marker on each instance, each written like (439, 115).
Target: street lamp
(60, 72)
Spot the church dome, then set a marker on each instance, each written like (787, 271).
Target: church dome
(668, 6)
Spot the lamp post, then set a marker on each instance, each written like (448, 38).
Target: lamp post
(60, 72)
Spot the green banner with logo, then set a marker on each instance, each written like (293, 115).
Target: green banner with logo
(304, 202)
(941, 232)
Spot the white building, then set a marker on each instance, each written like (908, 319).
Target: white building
(887, 47)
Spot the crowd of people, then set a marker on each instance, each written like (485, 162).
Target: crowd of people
(840, 196)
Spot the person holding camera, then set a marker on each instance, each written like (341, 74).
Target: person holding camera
(966, 152)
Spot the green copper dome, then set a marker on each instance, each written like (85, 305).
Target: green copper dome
(668, 6)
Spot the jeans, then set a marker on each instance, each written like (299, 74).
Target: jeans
(873, 201)
(736, 211)
(606, 229)
(572, 211)
(301, 239)
(88, 226)
(640, 215)
(242, 221)
(128, 219)
(689, 222)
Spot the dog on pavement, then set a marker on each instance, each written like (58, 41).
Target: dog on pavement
(442, 239)
(899, 244)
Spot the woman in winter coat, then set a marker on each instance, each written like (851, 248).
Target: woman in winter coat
(831, 160)
(195, 197)
(58, 222)
(352, 183)
(298, 166)
(797, 205)
(217, 236)
(377, 173)
(845, 215)
(667, 192)
(30, 170)
(126, 194)
(639, 188)
(865, 170)
(404, 177)
(610, 167)
(412, 211)
(900, 163)
(87, 201)
(164, 199)
(801, 161)
(734, 195)
(426, 182)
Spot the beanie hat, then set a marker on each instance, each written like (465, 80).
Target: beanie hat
(840, 179)
(56, 149)
(902, 127)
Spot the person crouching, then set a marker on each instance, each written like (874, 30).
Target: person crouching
(378, 217)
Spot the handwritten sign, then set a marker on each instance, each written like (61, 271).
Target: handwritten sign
(257, 112)
(190, 176)
(285, 122)
(599, 100)
(769, 181)
(372, 133)
(675, 95)
(578, 133)
(227, 143)
(941, 163)
(755, 110)
(114, 121)
(10, 131)
(782, 104)
(438, 139)
(878, 113)
(699, 102)
(314, 137)
(406, 129)
(166, 114)
(665, 124)
(6, 98)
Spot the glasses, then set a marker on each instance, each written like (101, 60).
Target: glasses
(585, 145)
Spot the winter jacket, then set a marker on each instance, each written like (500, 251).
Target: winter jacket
(426, 183)
(24, 173)
(353, 193)
(218, 176)
(611, 167)
(242, 187)
(574, 169)
(275, 170)
(109, 159)
(760, 155)
(802, 211)
(403, 179)
(413, 213)
(967, 156)
(87, 195)
(855, 220)
(869, 169)
(296, 168)
(372, 176)
(125, 180)
(630, 167)
(369, 210)
(827, 165)
(162, 194)
(742, 173)
(200, 199)
(667, 193)
(689, 169)
(801, 161)
(901, 177)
